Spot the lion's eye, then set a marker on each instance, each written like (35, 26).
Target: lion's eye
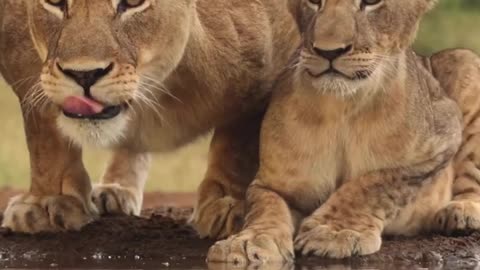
(318, 4)
(370, 3)
(126, 4)
(57, 3)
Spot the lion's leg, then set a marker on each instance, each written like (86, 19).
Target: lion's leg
(458, 71)
(121, 188)
(59, 196)
(268, 232)
(233, 163)
(353, 218)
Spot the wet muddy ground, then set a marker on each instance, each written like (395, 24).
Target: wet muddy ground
(161, 239)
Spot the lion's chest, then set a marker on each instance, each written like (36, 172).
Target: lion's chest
(339, 153)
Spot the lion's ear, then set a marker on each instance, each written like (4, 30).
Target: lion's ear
(430, 4)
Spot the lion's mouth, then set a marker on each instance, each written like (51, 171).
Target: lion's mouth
(87, 108)
(359, 75)
(107, 113)
(330, 70)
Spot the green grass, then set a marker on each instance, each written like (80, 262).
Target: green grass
(13, 151)
(181, 170)
(455, 23)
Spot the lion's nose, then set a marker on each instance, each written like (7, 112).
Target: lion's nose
(86, 78)
(331, 55)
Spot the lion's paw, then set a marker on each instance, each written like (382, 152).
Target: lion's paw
(250, 247)
(219, 219)
(113, 199)
(326, 241)
(458, 217)
(33, 214)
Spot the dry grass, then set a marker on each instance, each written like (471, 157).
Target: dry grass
(183, 169)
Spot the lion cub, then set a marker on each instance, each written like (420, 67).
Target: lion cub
(359, 139)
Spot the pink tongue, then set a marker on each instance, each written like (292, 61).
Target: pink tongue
(82, 106)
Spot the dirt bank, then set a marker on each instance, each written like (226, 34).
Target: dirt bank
(162, 240)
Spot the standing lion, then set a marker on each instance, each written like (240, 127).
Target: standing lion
(139, 76)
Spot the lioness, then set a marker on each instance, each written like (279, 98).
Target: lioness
(137, 76)
(360, 139)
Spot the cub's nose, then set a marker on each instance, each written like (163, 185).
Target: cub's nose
(331, 55)
(86, 78)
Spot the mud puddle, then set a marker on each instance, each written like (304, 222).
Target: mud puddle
(162, 240)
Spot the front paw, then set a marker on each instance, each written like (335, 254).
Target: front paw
(253, 247)
(328, 240)
(458, 217)
(219, 219)
(33, 214)
(117, 200)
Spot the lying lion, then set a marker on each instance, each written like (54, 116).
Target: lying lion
(361, 139)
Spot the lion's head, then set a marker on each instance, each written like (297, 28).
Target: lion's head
(102, 56)
(351, 45)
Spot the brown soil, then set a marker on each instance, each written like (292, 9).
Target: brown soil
(161, 239)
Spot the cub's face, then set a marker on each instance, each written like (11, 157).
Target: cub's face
(351, 45)
(102, 57)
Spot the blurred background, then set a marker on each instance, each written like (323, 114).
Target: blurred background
(454, 23)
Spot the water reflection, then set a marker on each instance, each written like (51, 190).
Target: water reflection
(222, 266)
(282, 267)
(201, 265)
(219, 266)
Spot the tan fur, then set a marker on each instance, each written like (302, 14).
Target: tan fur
(366, 153)
(458, 71)
(183, 67)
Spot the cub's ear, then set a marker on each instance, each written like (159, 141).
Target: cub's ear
(423, 6)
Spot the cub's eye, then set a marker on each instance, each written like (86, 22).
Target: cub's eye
(127, 4)
(370, 3)
(57, 3)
